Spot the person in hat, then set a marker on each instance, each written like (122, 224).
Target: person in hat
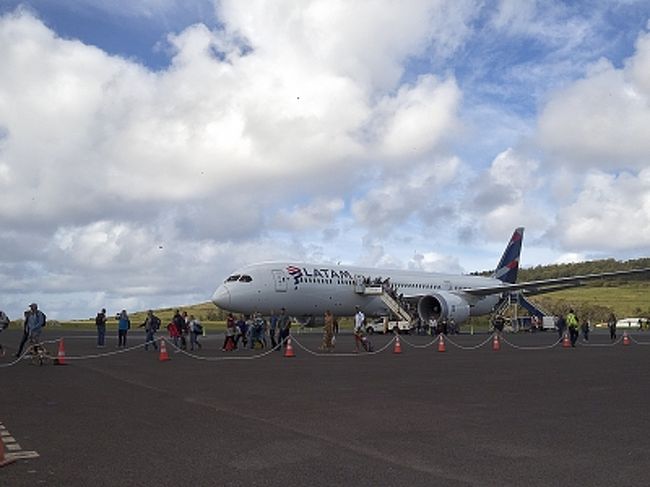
(35, 320)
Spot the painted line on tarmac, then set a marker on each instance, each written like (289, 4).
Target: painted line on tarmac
(13, 449)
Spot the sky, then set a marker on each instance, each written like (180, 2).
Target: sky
(148, 149)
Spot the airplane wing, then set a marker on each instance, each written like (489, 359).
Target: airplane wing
(550, 285)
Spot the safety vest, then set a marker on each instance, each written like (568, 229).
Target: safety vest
(571, 320)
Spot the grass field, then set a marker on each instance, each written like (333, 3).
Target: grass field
(626, 300)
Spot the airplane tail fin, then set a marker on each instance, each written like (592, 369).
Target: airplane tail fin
(508, 266)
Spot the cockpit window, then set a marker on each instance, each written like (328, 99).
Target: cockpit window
(232, 278)
(245, 278)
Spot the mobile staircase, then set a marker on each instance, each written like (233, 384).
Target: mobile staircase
(378, 290)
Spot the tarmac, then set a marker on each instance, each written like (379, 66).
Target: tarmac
(471, 416)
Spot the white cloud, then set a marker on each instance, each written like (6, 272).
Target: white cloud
(404, 194)
(610, 212)
(602, 119)
(316, 215)
(417, 118)
(108, 160)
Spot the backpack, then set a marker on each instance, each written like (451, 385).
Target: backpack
(155, 323)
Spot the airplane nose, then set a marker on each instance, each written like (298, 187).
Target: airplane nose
(221, 297)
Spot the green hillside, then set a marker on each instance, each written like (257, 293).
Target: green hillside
(625, 297)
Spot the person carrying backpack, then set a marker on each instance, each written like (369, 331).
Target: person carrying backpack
(35, 320)
(151, 325)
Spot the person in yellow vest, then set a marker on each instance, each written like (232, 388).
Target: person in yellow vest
(572, 324)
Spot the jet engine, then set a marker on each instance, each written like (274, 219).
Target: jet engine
(443, 306)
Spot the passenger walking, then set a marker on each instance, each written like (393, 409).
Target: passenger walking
(195, 330)
(359, 321)
(585, 326)
(173, 333)
(181, 328)
(100, 323)
(273, 324)
(241, 331)
(4, 324)
(229, 334)
(572, 323)
(560, 324)
(123, 325)
(257, 334)
(611, 324)
(151, 325)
(35, 320)
(328, 332)
(284, 324)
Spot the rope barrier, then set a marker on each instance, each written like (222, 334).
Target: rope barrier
(234, 357)
(413, 345)
(637, 342)
(334, 354)
(473, 347)
(268, 352)
(27, 351)
(521, 347)
(619, 340)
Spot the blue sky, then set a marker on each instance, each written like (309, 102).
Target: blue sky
(409, 136)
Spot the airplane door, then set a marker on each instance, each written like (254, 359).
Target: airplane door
(446, 285)
(280, 279)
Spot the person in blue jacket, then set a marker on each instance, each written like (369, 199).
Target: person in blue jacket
(123, 326)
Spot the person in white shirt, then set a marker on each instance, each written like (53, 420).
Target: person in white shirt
(359, 321)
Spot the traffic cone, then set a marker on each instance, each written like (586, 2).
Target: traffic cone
(565, 341)
(496, 344)
(164, 356)
(626, 338)
(60, 358)
(288, 351)
(441, 344)
(398, 345)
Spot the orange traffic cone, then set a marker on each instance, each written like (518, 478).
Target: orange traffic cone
(4, 460)
(565, 341)
(626, 338)
(60, 359)
(398, 345)
(288, 351)
(496, 344)
(441, 344)
(164, 356)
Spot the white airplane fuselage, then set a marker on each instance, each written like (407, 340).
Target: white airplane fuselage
(311, 289)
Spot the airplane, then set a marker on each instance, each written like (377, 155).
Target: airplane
(306, 290)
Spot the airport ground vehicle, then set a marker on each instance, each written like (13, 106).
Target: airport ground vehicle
(378, 326)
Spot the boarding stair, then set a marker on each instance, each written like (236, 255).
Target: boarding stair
(391, 303)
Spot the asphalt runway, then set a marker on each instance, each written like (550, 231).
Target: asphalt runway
(548, 416)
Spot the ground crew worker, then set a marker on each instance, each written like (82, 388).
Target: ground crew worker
(572, 323)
